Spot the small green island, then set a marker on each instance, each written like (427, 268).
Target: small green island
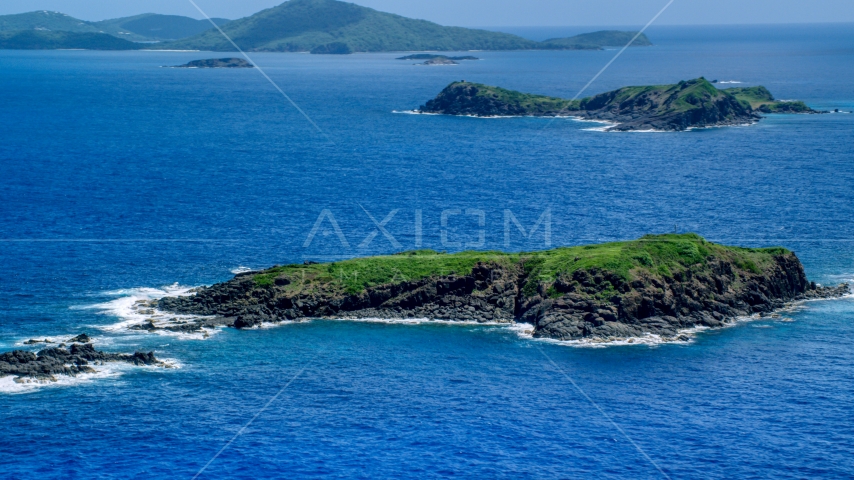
(658, 284)
(685, 105)
(217, 63)
(433, 59)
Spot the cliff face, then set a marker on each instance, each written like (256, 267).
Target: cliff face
(691, 104)
(619, 290)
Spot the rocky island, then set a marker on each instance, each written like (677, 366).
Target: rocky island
(688, 104)
(658, 284)
(430, 59)
(73, 361)
(217, 63)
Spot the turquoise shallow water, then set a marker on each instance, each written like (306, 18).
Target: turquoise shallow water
(120, 179)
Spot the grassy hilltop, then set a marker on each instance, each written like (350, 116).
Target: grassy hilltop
(650, 256)
(658, 284)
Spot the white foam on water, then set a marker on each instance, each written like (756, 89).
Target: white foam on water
(132, 309)
(413, 112)
(270, 325)
(522, 329)
(11, 385)
(414, 321)
(241, 269)
(725, 82)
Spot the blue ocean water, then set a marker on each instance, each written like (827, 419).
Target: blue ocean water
(122, 180)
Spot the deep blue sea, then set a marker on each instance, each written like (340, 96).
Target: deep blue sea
(121, 180)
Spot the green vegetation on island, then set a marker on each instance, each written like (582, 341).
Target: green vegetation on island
(147, 27)
(596, 40)
(155, 27)
(433, 56)
(687, 104)
(761, 100)
(44, 20)
(305, 25)
(334, 48)
(217, 63)
(46, 40)
(658, 284)
(316, 26)
(653, 256)
(302, 25)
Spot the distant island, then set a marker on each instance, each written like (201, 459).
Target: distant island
(687, 104)
(310, 25)
(148, 27)
(597, 40)
(658, 284)
(432, 56)
(323, 27)
(432, 59)
(217, 63)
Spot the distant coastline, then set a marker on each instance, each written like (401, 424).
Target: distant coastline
(325, 27)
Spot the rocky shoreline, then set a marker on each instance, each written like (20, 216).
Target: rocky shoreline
(76, 360)
(589, 302)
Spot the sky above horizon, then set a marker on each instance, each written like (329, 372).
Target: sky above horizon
(490, 12)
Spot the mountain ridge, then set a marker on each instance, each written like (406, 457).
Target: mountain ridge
(306, 25)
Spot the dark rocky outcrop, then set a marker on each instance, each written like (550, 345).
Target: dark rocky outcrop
(218, 63)
(586, 303)
(60, 361)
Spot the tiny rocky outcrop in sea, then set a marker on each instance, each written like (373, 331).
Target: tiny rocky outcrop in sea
(659, 284)
(77, 359)
(682, 106)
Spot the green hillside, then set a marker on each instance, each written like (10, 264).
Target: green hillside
(44, 20)
(761, 100)
(139, 28)
(605, 38)
(652, 256)
(152, 26)
(467, 98)
(317, 26)
(302, 25)
(46, 40)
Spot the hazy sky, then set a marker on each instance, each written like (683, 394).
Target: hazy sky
(491, 12)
